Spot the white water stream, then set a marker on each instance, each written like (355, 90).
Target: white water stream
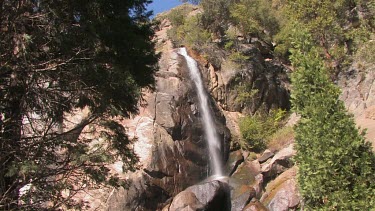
(211, 136)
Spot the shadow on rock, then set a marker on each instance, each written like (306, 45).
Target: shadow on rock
(209, 196)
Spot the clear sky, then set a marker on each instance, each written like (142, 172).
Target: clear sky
(159, 6)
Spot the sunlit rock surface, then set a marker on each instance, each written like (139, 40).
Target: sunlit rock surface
(170, 143)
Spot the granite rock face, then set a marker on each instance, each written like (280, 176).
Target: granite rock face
(266, 77)
(358, 93)
(171, 145)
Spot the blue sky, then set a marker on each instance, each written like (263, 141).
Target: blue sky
(159, 6)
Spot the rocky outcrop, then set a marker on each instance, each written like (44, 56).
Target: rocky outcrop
(282, 194)
(267, 77)
(358, 88)
(170, 141)
(279, 163)
(255, 185)
(358, 93)
(245, 184)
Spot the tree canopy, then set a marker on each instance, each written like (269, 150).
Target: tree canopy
(58, 58)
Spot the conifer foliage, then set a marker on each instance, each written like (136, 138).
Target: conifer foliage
(56, 58)
(336, 164)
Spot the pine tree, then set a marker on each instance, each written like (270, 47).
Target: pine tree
(58, 57)
(336, 164)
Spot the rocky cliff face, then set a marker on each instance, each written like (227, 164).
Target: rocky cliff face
(267, 77)
(358, 94)
(170, 144)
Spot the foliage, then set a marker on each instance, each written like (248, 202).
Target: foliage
(57, 59)
(216, 15)
(245, 93)
(187, 30)
(238, 57)
(366, 53)
(257, 129)
(255, 18)
(178, 15)
(336, 164)
(337, 27)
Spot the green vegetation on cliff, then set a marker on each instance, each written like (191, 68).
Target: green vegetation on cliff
(336, 167)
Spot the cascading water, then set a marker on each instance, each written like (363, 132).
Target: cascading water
(208, 123)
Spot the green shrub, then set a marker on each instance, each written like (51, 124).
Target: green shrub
(256, 130)
(238, 57)
(187, 30)
(366, 53)
(336, 167)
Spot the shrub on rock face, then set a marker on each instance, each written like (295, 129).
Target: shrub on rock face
(336, 164)
(257, 129)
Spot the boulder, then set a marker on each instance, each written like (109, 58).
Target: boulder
(279, 163)
(245, 184)
(267, 154)
(213, 195)
(246, 193)
(234, 160)
(282, 194)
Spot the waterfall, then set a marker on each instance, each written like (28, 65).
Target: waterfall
(211, 136)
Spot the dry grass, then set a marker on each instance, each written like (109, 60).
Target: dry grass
(282, 138)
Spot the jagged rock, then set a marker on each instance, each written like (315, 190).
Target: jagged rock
(282, 193)
(358, 93)
(269, 78)
(358, 88)
(240, 201)
(213, 195)
(258, 185)
(265, 156)
(279, 163)
(245, 184)
(235, 159)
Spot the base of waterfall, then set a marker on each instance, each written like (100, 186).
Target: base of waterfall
(210, 195)
(220, 178)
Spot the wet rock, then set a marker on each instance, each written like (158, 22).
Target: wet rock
(246, 193)
(282, 193)
(212, 195)
(245, 184)
(279, 163)
(258, 185)
(234, 160)
(265, 156)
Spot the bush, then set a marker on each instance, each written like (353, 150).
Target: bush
(255, 18)
(366, 53)
(256, 130)
(187, 30)
(336, 164)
